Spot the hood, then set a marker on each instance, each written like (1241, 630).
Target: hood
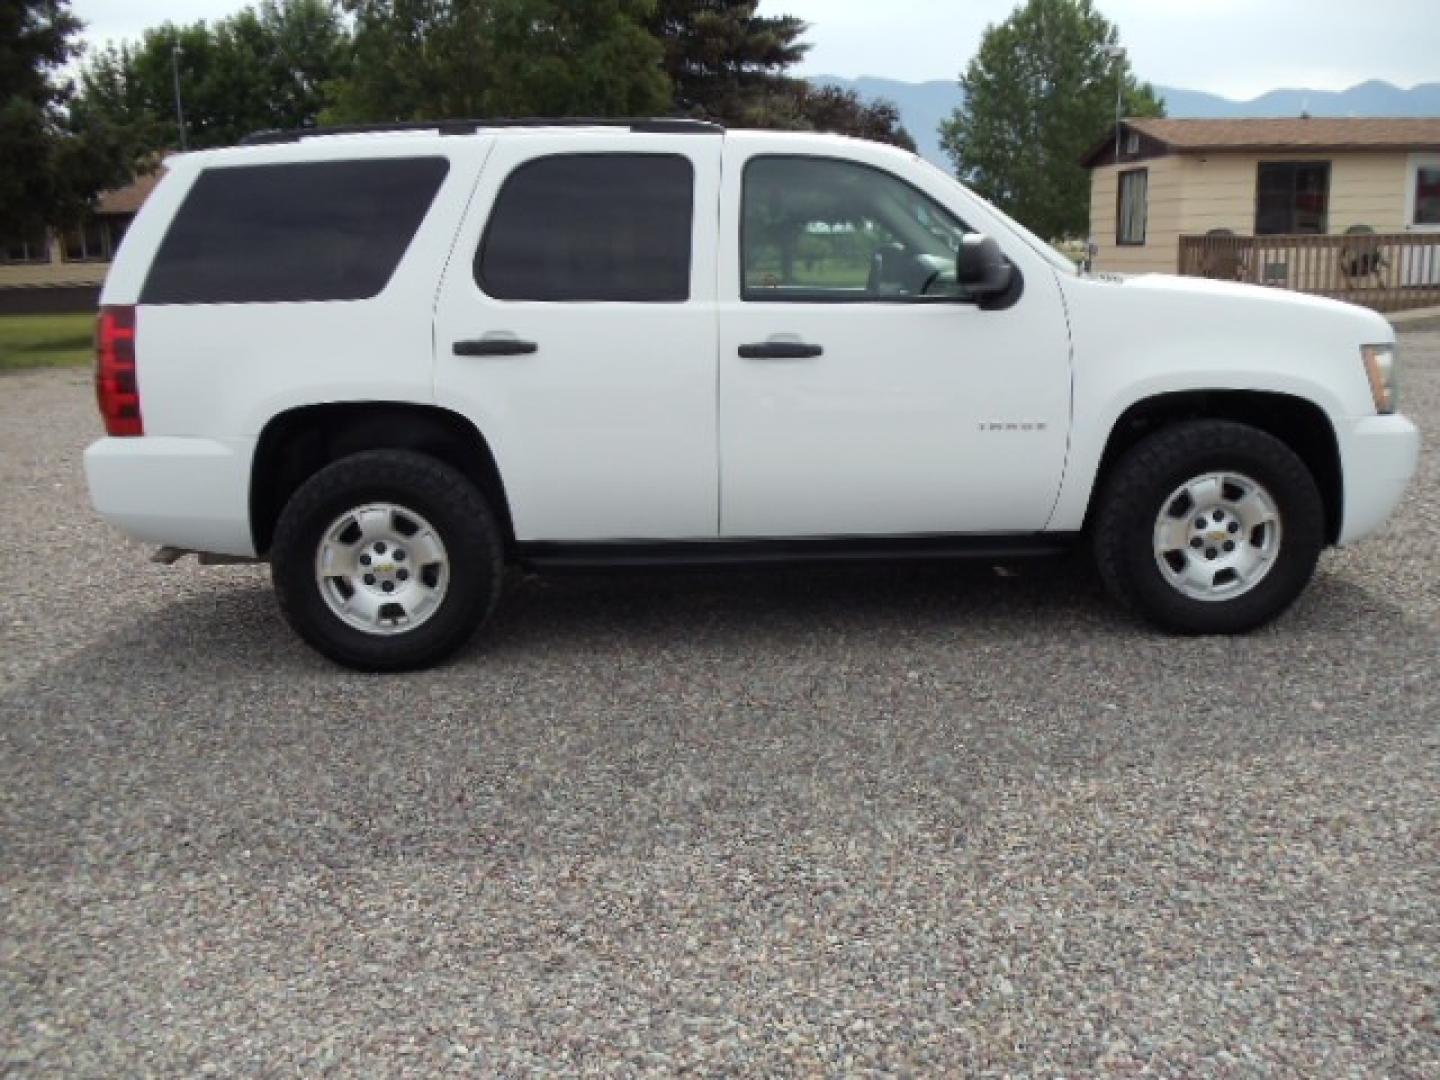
(1199, 293)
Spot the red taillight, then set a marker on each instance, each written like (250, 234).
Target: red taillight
(116, 387)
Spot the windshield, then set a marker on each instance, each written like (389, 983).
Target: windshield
(1056, 258)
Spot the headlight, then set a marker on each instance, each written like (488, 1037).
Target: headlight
(1380, 369)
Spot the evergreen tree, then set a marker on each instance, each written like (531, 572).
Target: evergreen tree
(836, 109)
(731, 64)
(724, 60)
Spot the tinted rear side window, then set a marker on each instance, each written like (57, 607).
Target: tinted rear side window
(591, 227)
(331, 230)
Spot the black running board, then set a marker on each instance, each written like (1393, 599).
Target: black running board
(700, 554)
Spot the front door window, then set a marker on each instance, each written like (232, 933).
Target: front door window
(824, 230)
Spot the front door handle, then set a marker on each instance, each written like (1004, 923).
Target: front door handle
(496, 346)
(780, 350)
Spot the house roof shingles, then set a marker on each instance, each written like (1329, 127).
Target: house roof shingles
(1300, 133)
(128, 199)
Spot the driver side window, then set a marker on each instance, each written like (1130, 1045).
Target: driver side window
(826, 230)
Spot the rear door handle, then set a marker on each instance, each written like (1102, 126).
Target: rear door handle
(496, 346)
(780, 350)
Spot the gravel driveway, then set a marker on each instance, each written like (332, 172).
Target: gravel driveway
(914, 820)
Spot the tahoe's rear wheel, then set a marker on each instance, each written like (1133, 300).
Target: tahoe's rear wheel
(1209, 527)
(387, 560)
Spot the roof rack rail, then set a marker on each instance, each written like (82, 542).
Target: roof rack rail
(651, 125)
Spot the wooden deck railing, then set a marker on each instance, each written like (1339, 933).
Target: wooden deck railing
(1384, 271)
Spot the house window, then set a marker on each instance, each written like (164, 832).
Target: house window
(1132, 143)
(96, 238)
(28, 249)
(85, 242)
(1292, 197)
(1425, 192)
(1132, 210)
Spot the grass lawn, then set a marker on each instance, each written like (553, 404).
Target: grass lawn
(31, 341)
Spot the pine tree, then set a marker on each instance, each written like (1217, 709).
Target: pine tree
(724, 60)
(728, 63)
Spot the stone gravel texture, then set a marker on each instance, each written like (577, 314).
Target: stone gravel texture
(913, 821)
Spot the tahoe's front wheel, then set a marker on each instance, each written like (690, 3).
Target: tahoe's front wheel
(1209, 527)
(387, 560)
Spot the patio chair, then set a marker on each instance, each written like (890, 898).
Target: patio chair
(1361, 257)
(1226, 262)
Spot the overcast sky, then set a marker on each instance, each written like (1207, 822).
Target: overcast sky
(1239, 48)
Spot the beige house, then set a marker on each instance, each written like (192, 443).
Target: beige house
(60, 270)
(1212, 180)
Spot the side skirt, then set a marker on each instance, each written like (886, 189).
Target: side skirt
(701, 554)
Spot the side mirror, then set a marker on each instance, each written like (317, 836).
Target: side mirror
(980, 268)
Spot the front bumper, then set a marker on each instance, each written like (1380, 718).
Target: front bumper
(180, 492)
(1379, 455)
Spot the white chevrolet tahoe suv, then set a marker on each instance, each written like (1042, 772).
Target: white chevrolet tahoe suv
(391, 362)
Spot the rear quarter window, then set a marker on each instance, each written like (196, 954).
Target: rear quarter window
(293, 233)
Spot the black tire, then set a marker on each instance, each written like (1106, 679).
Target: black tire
(458, 513)
(1135, 491)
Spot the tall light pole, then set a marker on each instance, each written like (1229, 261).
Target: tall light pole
(179, 106)
(1117, 54)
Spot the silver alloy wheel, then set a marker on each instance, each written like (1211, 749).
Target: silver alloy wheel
(382, 569)
(1217, 536)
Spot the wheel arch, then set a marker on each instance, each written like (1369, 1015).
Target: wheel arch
(296, 444)
(1299, 423)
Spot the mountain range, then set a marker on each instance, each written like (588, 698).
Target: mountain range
(924, 104)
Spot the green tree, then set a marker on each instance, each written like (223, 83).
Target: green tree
(725, 61)
(424, 59)
(728, 63)
(50, 172)
(265, 67)
(843, 111)
(1040, 92)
